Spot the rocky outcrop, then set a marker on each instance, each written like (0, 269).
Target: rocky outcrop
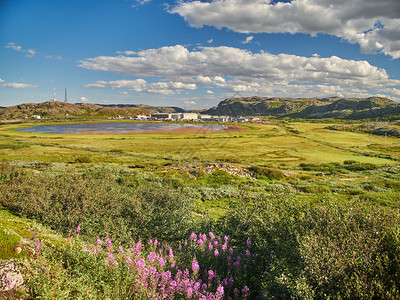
(10, 276)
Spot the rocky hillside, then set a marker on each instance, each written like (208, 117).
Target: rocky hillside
(311, 108)
(56, 109)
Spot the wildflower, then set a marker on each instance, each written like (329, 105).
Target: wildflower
(120, 250)
(195, 266)
(171, 254)
(236, 291)
(226, 238)
(193, 236)
(224, 247)
(229, 259)
(204, 288)
(78, 229)
(38, 246)
(236, 264)
(215, 243)
(108, 243)
(141, 263)
(87, 249)
(211, 274)
(220, 292)
(210, 246)
(115, 263)
(111, 256)
(245, 266)
(230, 251)
(200, 242)
(129, 260)
(98, 241)
(161, 261)
(212, 236)
(247, 252)
(248, 243)
(152, 256)
(216, 253)
(231, 281)
(245, 291)
(189, 292)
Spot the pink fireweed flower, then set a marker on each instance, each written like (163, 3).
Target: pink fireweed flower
(171, 254)
(247, 252)
(245, 291)
(111, 256)
(193, 236)
(230, 251)
(152, 256)
(248, 243)
(224, 247)
(236, 291)
(219, 239)
(115, 263)
(129, 260)
(77, 229)
(229, 259)
(215, 243)
(211, 235)
(200, 242)
(173, 264)
(211, 274)
(231, 281)
(38, 246)
(216, 253)
(245, 266)
(203, 237)
(141, 263)
(120, 250)
(87, 249)
(98, 241)
(210, 246)
(204, 288)
(220, 292)
(226, 238)
(108, 243)
(161, 262)
(195, 266)
(236, 264)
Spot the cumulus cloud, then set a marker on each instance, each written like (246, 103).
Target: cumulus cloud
(239, 70)
(141, 85)
(1, 80)
(13, 46)
(16, 85)
(374, 25)
(83, 99)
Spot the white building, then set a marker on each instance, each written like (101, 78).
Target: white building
(36, 117)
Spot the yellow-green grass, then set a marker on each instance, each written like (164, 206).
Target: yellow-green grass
(260, 144)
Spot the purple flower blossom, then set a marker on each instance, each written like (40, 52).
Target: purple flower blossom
(224, 247)
(171, 254)
(38, 246)
(141, 263)
(230, 251)
(210, 246)
(108, 243)
(236, 291)
(211, 235)
(193, 236)
(245, 291)
(248, 243)
(220, 292)
(120, 250)
(245, 266)
(215, 243)
(98, 241)
(229, 259)
(204, 288)
(216, 253)
(247, 252)
(200, 242)
(195, 266)
(211, 274)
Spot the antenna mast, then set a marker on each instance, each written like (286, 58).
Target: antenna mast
(54, 93)
(66, 99)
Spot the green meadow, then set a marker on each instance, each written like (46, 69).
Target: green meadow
(320, 208)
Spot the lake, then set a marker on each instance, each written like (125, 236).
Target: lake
(129, 127)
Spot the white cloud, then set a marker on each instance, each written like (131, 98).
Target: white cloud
(248, 39)
(83, 99)
(210, 41)
(140, 2)
(209, 92)
(239, 70)
(1, 80)
(13, 46)
(190, 102)
(374, 25)
(16, 85)
(141, 85)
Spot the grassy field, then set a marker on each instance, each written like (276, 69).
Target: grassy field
(307, 212)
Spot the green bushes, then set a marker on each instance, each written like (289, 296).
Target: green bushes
(269, 173)
(96, 200)
(348, 251)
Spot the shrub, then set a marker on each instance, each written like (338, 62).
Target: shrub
(269, 173)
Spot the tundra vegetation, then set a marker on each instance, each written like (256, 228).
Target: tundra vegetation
(284, 209)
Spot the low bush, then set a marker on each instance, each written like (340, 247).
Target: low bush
(270, 173)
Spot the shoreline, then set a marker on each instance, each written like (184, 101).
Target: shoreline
(228, 128)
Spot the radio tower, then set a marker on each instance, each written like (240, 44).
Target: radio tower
(66, 99)
(54, 93)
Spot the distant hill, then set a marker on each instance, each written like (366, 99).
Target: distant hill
(310, 108)
(56, 109)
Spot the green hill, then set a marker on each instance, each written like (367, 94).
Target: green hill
(310, 108)
(56, 109)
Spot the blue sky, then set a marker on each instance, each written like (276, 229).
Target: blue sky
(194, 54)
